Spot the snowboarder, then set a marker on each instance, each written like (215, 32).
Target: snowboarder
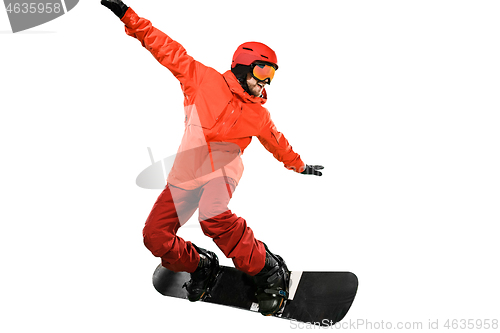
(222, 114)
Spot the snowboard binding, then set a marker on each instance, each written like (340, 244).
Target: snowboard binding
(204, 277)
(272, 284)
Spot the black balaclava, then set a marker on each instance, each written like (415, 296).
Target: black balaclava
(241, 71)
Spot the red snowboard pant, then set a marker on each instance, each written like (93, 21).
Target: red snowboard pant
(175, 206)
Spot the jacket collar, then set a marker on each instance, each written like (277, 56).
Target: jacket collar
(237, 89)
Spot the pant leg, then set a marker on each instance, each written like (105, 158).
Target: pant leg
(230, 232)
(172, 209)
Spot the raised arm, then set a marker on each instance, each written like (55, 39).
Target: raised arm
(168, 52)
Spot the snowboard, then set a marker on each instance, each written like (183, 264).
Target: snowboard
(320, 298)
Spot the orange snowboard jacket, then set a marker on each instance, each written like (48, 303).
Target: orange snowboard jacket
(220, 117)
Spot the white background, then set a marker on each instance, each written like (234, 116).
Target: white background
(397, 99)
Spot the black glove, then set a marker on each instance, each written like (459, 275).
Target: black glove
(313, 170)
(116, 6)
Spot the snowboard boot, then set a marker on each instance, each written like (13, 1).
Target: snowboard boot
(272, 284)
(204, 277)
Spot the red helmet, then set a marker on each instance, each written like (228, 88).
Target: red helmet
(249, 52)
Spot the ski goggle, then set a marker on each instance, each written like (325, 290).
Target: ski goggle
(263, 72)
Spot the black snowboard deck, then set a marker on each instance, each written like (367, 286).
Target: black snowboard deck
(322, 298)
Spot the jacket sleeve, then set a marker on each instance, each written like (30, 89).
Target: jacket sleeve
(276, 143)
(168, 52)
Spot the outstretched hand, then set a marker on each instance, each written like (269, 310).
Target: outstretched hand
(116, 6)
(313, 170)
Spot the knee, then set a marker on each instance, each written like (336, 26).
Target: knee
(223, 225)
(157, 241)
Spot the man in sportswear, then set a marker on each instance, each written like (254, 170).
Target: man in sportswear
(222, 114)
